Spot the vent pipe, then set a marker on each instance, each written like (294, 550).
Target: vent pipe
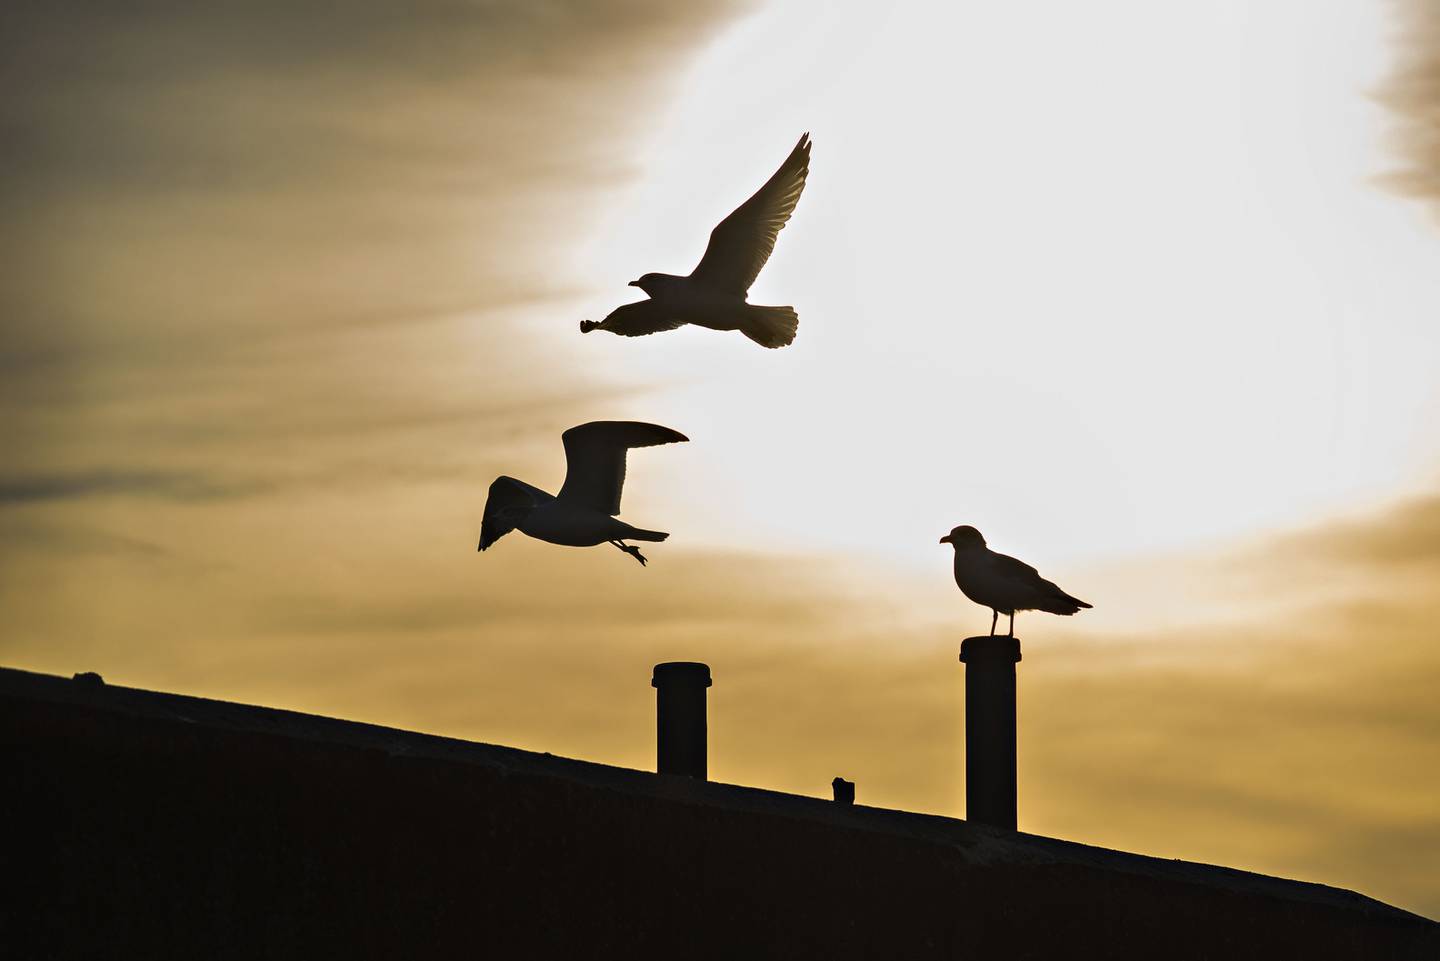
(680, 728)
(990, 729)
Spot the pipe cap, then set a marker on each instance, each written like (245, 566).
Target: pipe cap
(990, 648)
(681, 672)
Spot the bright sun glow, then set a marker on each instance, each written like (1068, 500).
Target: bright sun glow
(1098, 279)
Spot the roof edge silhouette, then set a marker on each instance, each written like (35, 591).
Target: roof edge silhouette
(976, 843)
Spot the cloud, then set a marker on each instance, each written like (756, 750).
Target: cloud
(102, 483)
(1405, 536)
(315, 255)
(1412, 92)
(78, 541)
(187, 169)
(262, 247)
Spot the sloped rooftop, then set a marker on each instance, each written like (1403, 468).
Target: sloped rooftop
(977, 844)
(166, 826)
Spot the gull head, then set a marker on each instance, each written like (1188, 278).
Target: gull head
(962, 537)
(649, 283)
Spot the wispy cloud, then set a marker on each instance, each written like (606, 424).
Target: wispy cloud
(1412, 91)
(1405, 536)
(102, 483)
(261, 247)
(45, 538)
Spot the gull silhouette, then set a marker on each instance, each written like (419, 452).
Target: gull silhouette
(1002, 583)
(714, 294)
(583, 513)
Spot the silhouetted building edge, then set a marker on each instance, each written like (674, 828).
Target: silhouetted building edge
(160, 825)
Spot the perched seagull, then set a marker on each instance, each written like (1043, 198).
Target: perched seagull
(583, 513)
(1002, 583)
(714, 294)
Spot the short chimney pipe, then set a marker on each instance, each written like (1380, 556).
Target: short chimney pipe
(680, 727)
(990, 729)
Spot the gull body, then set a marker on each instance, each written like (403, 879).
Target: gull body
(1002, 583)
(583, 513)
(571, 525)
(714, 294)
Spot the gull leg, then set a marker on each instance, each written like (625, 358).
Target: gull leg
(994, 617)
(1012, 625)
(632, 550)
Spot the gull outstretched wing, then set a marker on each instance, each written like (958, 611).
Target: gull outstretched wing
(743, 241)
(595, 459)
(640, 318)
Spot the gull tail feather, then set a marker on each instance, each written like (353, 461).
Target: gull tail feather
(770, 326)
(1062, 603)
(640, 535)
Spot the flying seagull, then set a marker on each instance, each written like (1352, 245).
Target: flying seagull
(714, 294)
(1002, 583)
(583, 513)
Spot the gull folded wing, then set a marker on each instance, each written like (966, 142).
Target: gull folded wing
(1014, 569)
(595, 459)
(743, 241)
(1036, 592)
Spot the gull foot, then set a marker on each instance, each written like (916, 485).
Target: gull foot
(633, 551)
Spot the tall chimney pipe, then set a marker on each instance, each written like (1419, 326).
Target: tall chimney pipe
(990, 729)
(680, 717)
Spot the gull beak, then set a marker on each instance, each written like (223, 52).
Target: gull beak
(633, 283)
(946, 540)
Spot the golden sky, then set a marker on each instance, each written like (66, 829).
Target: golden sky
(286, 287)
